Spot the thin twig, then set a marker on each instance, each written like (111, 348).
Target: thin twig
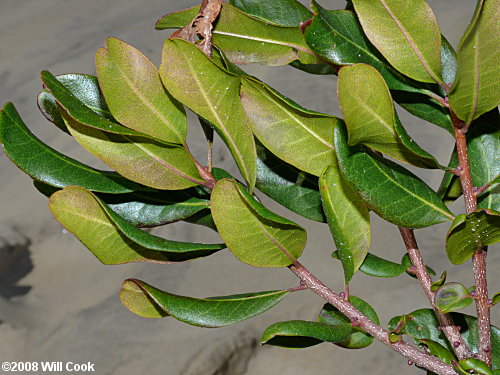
(479, 257)
(448, 327)
(414, 355)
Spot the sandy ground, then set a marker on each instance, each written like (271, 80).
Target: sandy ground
(58, 303)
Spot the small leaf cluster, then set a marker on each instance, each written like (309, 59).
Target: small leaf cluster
(132, 116)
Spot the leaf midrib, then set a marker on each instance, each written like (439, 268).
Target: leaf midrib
(219, 121)
(410, 192)
(301, 124)
(147, 103)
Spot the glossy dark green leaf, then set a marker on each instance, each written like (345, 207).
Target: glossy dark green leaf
(471, 232)
(371, 118)
(337, 36)
(452, 297)
(348, 218)
(483, 148)
(296, 190)
(212, 93)
(151, 209)
(254, 234)
(48, 106)
(301, 334)
(82, 113)
(140, 159)
(378, 267)
(438, 283)
(135, 94)
(150, 302)
(449, 63)
(391, 191)
(111, 238)
(406, 33)
(438, 350)
(425, 107)
(85, 88)
(246, 39)
(475, 365)
(278, 12)
(357, 339)
(424, 325)
(306, 137)
(450, 188)
(477, 87)
(49, 166)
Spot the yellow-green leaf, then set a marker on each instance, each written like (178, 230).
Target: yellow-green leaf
(139, 159)
(254, 234)
(298, 136)
(348, 218)
(371, 118)
(113, 240)
(212, 93)
(135, 94)
(406, 33)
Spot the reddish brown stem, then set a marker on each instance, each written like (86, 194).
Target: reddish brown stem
(479, 257)
(449, 328)
(414, 355)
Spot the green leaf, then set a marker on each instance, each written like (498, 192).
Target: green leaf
(496, 298)
(424, 325)
(254, 234)
(137, 158)
(135, 94)
(278, 12)
(483, 147)
(449, 63)
(439, 351)
(82, 113)
(212, 93)
(306, 137)
(151, 209)
(426, 108)
(140, 298)
(49, 166)
(348, 219)
(85, 88)
(371, 118)
(391, 191)
(337, 36)
(111, 238)
(438, 283)
(296, 190)
(471, 232)
(476, 365)
(301, 334)
(477, 87)
(378, 267)
(245, 39)
(452, 297)
(357, 339)
(406, 33)
(48, 106)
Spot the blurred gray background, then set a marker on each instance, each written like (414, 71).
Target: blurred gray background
(58, 303)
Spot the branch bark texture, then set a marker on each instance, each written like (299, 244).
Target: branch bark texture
(419, 358)
(479, 257)
(448, 327)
